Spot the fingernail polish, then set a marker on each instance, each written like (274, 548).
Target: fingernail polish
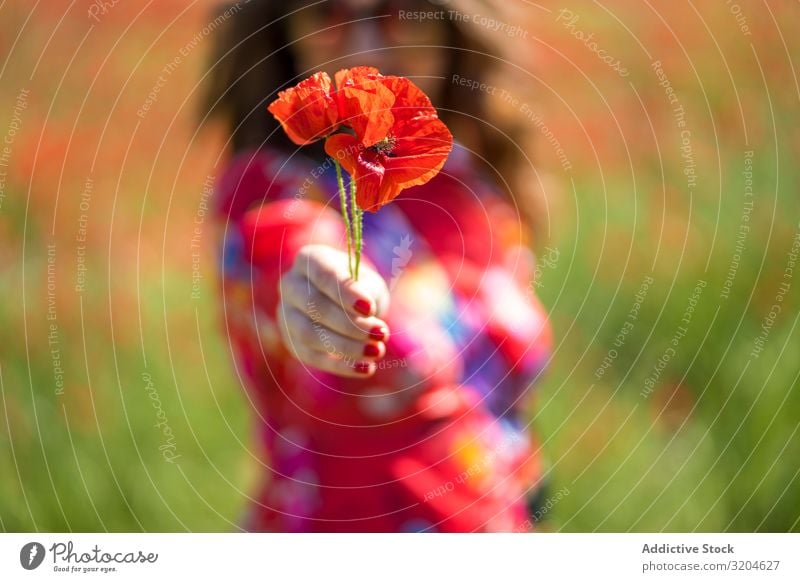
(372, 350)
(378, 333)
(363, 306)
(361, 367)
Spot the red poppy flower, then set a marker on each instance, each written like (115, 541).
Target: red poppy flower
(408, 153)
(307, 111)
(365, 103)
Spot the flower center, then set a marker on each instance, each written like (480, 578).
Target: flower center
(385, 146)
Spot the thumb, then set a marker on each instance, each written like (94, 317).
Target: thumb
(373, 285)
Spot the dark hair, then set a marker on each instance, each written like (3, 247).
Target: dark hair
(253, 60)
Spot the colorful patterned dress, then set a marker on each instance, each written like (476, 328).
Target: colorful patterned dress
(436, 440)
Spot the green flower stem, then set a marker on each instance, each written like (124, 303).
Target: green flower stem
(360, 241)
(348, 226)
(357, 225)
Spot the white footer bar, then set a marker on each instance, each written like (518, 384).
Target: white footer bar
(401, 557)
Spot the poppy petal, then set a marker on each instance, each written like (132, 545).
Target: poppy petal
(410, 103)
(365, 103)
(307, 111)
(343, 75)
(369, 177)
(418, 157)
(343, 148)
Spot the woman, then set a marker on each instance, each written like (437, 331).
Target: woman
(392, 403)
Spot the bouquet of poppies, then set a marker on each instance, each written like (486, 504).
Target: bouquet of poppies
(382, 130)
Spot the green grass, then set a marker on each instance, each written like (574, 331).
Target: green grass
(89, 459)
(715, 446)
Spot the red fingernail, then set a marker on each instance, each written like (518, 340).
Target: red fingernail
(363, 306)
(361, 367)
(372, 350)
(377, 333)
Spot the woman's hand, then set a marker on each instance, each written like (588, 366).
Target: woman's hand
(329, 321)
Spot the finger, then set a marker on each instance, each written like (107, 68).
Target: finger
(323, 339)
(372, 282)
(291, 322)
(344, 348)
(340, 367)
(327, 270)
(298, 292)
(317, 337)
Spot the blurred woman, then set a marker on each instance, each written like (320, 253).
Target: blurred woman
(394, 403)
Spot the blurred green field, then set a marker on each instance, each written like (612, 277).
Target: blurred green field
(712, 445)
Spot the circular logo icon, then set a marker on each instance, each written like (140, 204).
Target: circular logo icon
(31, 555)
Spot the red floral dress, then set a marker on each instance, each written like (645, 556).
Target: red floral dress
(436, 439)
